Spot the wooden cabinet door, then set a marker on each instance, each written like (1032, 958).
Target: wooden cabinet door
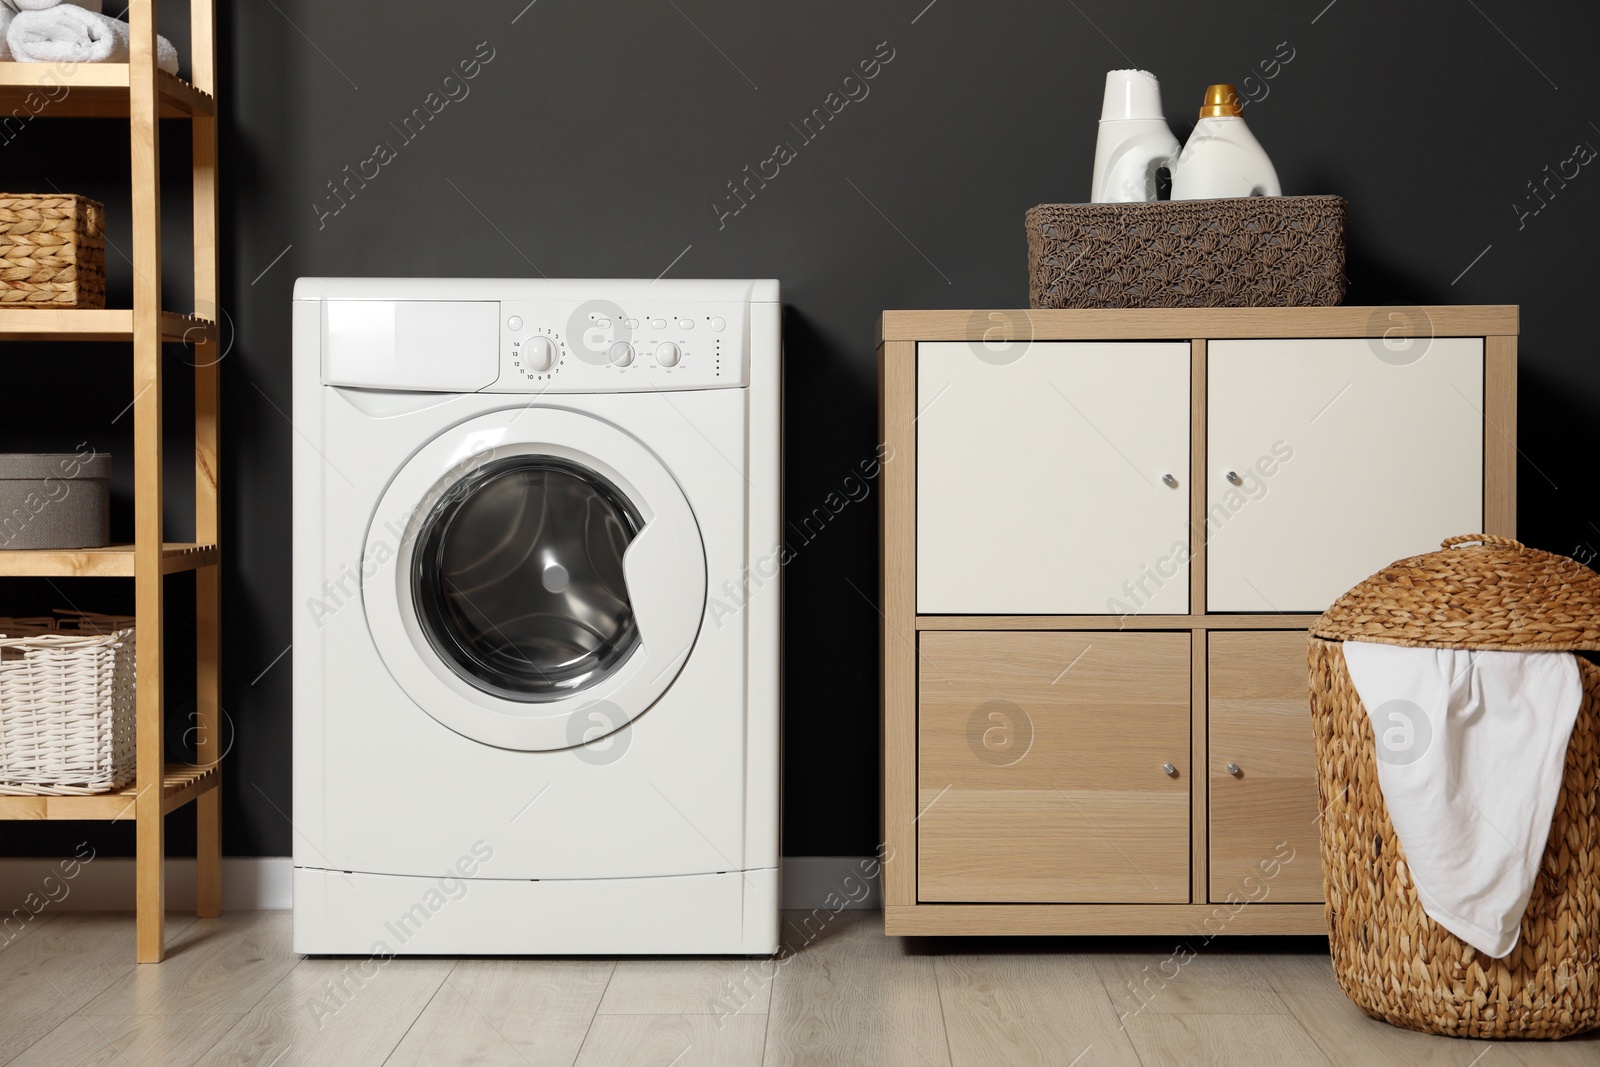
(1040, 767)
(1345, 456)
(1053, 478)
(1263, 769)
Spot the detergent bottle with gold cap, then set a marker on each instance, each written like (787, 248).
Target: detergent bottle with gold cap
(1222, 157)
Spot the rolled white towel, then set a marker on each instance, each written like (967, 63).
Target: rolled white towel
(70, 34)
(9, 8)
(40, 5)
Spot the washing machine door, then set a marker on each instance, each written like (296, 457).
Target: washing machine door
(534, 578)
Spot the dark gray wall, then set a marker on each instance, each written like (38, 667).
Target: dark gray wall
(602, 135)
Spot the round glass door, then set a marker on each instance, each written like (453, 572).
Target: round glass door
(518, 578)
(528, 566)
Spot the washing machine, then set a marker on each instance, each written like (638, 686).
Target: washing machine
(536, 616)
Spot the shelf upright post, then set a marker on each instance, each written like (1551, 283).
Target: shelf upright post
(207, 411)
(145, 150)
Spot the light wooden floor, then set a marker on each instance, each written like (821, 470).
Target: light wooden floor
(232, 992)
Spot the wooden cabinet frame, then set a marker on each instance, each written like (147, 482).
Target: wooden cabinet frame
(898, 335)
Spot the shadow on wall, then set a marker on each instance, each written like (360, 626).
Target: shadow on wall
(831, 588)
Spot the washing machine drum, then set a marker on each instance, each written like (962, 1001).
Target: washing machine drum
(535, 579)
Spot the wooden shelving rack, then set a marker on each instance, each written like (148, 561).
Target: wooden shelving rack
(144, 94)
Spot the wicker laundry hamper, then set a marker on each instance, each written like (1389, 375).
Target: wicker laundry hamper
(1395, 963)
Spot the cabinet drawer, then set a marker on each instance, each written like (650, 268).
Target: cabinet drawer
(1040, 767)
(1041, 481)
(1347, 457)
(1264, 817)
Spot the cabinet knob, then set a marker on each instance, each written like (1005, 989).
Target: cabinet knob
(1169, 770)
(1233, 769)
(1170, 480)
(1233, 476)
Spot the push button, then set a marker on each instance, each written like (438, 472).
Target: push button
(718, 323)
(685, 324)
(514, 323)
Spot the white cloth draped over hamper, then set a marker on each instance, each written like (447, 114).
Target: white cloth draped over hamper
(66, 33)
(1471, 750)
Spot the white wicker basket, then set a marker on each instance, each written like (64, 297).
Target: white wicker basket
(66, 705)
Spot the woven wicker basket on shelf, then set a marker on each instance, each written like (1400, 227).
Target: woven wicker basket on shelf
(52, 252)
(1393, 961)
(66, 705)
(1259, 251)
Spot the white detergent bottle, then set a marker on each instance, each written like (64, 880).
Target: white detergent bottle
(1222, 157)
(1134, 139)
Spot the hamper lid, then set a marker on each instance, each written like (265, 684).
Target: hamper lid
(36, 466)
(1480, 591)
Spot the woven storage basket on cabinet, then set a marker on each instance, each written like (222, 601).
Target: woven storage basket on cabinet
(1259, 251)
(52, 252)
(1394, 962)
(66, 705)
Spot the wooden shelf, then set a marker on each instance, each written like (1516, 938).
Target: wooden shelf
(90, 90)
(101, 324)
(180, 783)
(115, 561)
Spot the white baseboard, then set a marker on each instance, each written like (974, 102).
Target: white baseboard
(265, 883)
(106, 884)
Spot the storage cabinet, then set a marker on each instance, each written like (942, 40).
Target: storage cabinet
(1053, 767)
(1337, 453)
(1263, 768)
(1104, 535)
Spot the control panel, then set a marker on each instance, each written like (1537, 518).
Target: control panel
(600, 346)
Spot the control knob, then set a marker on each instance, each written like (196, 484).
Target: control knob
(668, 354)
(621, 354)
(539, 354)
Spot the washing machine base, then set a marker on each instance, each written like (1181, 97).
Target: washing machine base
(340, 914)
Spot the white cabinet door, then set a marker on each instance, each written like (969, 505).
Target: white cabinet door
(1345, 456)
(1041, 479)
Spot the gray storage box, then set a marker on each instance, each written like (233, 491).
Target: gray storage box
(55, 500)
